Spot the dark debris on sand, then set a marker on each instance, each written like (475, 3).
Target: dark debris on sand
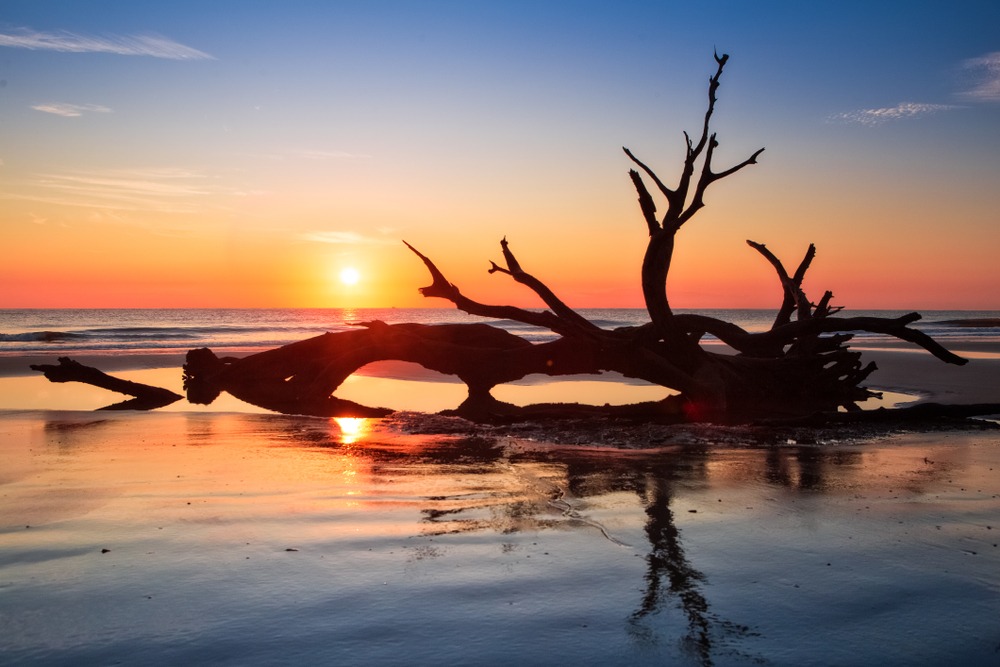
(626, 434)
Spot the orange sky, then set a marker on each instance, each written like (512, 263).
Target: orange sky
(205, 170)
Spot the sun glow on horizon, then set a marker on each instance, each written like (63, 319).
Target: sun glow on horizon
(294, 187)
(350, 276)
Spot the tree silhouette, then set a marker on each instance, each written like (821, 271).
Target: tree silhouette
(801, 365)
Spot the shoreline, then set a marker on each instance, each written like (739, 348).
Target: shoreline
(902, 369)
(471, 542)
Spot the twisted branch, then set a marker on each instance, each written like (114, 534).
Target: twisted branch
(442, 288)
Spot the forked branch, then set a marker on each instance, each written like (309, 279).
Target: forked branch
(679, 210)
(442, 288)
(771, 343)
(560, 309)
(794, 299)
(708, 177)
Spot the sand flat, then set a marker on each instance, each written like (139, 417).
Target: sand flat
(265, 539)
(228, 537)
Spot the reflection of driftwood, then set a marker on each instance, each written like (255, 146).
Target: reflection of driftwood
(146, 397)
(668, 564)
(671, 578)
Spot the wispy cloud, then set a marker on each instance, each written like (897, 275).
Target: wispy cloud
(125, 45)
(984, 86)
(986, 70)
(155, 190)
(70, 110)
(345, 238)
(885, 114)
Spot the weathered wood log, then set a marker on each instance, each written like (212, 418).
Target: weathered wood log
(798, 367)
(147, 397)
(302, 377)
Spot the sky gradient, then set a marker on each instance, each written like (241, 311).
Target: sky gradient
(242, 154)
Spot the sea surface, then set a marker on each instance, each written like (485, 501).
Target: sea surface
(31, 331)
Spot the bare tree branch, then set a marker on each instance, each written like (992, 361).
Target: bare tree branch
(769, 343)
(646, 203)
(823, 308)
(561, 310)
(441, 288)
(708, 177)
(793, 296)
(674, 200)
(800, 273)
(732, 170)
(694, 152)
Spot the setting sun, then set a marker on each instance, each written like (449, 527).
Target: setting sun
(350, 276)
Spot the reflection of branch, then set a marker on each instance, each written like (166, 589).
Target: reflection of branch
(516, 508)
(667, 559)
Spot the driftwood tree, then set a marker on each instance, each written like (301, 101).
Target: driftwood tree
(801, 365)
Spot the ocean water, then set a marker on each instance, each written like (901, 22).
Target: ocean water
(58, 331)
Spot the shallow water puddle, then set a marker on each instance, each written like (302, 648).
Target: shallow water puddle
(265, 539)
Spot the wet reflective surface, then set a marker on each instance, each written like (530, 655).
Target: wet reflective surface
(260, 539)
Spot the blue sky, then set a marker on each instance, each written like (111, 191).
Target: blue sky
(294, 135)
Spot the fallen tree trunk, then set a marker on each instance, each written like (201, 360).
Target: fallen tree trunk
(302, 377)
(147, 397)
(798, 367)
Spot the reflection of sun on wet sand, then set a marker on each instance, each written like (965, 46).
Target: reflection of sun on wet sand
(351, 541)
(432, 540)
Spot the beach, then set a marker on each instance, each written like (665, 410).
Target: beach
(433, 334)
(228, 535)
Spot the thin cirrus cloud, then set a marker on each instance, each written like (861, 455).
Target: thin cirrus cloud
(986, 70)
(983, 87)
(125, 45)
(163, 190)
(70, 110)
(881, 115)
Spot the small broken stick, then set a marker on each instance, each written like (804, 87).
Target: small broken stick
(147, 397)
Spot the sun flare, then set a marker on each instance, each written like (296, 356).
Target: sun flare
(350, 276)
(352, 429)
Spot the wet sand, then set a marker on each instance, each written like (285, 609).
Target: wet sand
(161, 539)
(258, 539)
